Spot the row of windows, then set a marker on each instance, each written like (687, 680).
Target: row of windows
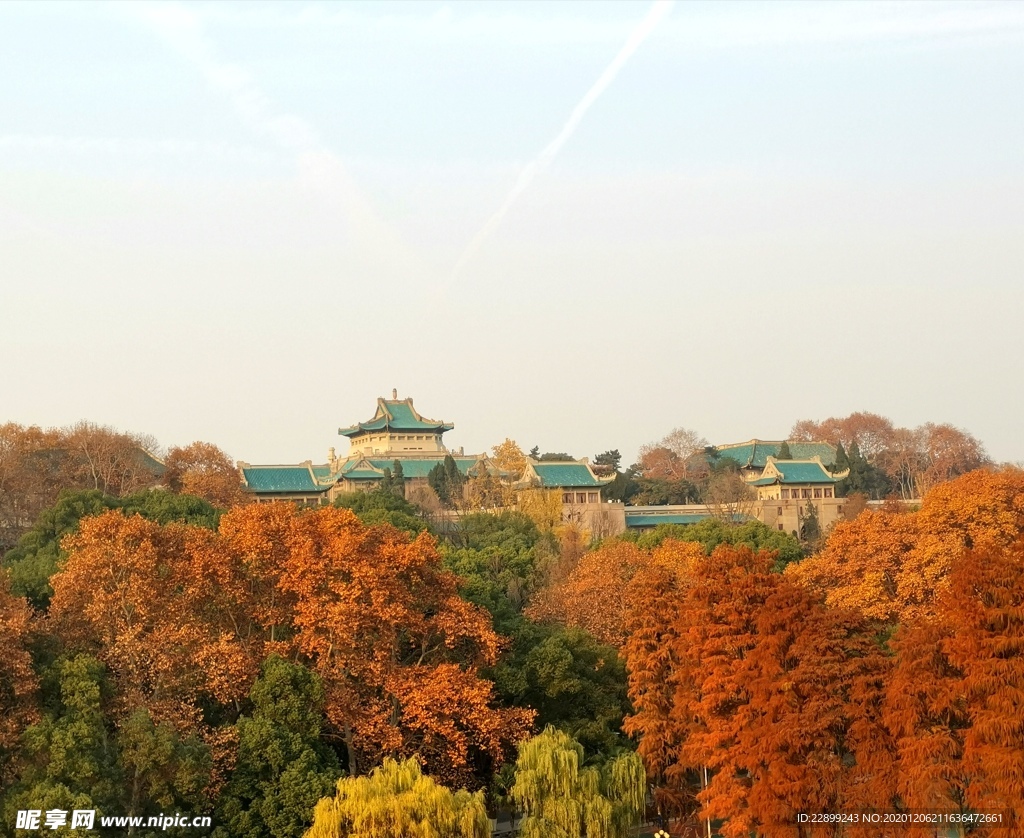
(403, 437)
(317, 501)
(806, 493)
(580, 497)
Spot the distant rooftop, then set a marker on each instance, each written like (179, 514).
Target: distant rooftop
(396, 415)
(755, 453)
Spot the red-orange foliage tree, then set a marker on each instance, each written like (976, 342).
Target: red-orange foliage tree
(956, 699)
(741, 672)
(180, 613)
(383, 625)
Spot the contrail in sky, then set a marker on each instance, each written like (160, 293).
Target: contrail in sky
(541, 162)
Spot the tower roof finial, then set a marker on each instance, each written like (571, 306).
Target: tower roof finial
(394, 394)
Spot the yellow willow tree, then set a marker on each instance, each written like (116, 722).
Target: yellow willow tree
(398, 801)
(562, 799)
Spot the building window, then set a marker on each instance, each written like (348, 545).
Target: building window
(785, 494)
(566, 497)
(780, 527)
(778, 511)
(805, 493)
(591, 497)
(817, 493)
(581, 497)
(828, 493)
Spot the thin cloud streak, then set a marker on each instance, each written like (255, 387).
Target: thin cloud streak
(543, 160)
(318, 167)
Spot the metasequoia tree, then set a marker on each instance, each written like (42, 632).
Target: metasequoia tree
(398, 801)
(955, 697)
(204, 470)
(751, 696)
(560, 798)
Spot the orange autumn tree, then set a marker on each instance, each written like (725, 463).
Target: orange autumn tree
(381, 622)
(18, 682)
(956, 695)
(155, 604)
(591, 597)
(181, 614)
(892, 564)
(752, 697)
(204, 470)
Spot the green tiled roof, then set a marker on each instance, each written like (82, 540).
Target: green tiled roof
(755, 454)
(396, 415)
(794, 471)
(362, 474)
(322, 472)
(280, 479)
(421, 466)
(565, 475)
(634, 521)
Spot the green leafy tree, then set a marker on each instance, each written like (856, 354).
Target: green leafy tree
(69, 756)
(864, 477)
(38, 555)
(383, 506)
(438, 481)
(283, 767)
(575, 683)
(712, 532)
(810, 525)
(562, 799)
(397, 799)
(784, 452)
(398, 473)
(609, 460)
(162, 771)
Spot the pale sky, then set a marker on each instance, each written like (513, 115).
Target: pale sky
(577, 224)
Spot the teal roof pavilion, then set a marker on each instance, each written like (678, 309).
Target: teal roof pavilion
(396, 415)
(755, 454)
(796, 471)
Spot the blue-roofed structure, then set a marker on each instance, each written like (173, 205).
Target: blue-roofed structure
(397, 433)
(752, 456)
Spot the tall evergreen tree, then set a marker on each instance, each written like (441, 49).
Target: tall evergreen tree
(283, 766)
(784, 452)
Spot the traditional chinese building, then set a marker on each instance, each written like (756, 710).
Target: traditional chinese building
(787, 489)
(753, 456)
(396, 437)
(579, 489)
